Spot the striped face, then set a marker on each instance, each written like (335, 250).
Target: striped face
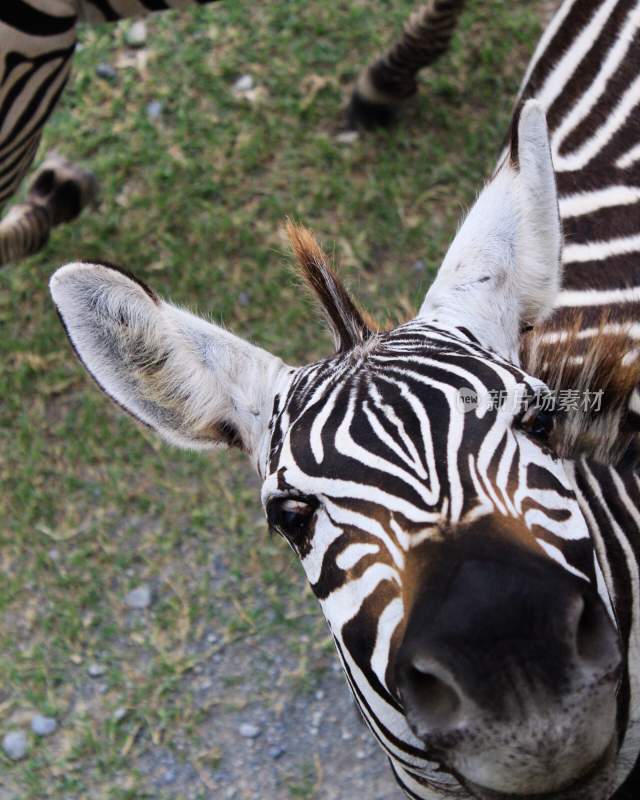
(440, 532)
(406, 510)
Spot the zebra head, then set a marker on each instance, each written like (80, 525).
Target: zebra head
(440, 532)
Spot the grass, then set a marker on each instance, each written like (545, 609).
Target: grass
(194, 202)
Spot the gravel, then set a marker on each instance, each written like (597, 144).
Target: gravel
(140, 597)
(249, 731)
(43, 726)
(154, 109)
(15, 745)
(136, 36)
(244, 84)
(347, 137)
(96, 670)
(106, 72)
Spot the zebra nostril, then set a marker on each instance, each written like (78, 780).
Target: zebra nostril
(431, 701)
(596, 642)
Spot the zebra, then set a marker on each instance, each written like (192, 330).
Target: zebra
(477, 563)
(37, 42)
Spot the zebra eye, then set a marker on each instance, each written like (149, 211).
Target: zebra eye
(538, 422)
(291, 516)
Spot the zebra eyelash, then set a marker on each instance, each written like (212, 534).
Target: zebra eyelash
(291, 515)
(537, 420)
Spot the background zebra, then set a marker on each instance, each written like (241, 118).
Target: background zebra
(407, 513)
(37, 42)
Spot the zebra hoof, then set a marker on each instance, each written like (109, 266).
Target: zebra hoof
(363, 113)
(63, 188)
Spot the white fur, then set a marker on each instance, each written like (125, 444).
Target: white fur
(503, 269)
(207, 376)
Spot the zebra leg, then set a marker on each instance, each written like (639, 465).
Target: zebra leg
(58, 194)
(37, 41)
(385, 85)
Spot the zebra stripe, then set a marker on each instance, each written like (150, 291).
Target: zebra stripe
(585, 73)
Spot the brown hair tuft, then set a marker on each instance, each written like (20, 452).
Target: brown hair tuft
(349, 324)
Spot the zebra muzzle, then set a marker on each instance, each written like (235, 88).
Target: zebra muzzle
(508, 670)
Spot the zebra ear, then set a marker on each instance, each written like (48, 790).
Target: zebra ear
(194, 383)
(503, 270)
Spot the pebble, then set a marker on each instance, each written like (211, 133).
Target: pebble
(212, 638)
(169, 776)
(14, 745)
(106, 72)
(54, 554)
(136, 35)
(43, 726)
(347, 137)
(244, 83)
(244, 299)
(96, 670)
(140, 597)
(154, 109)
(119, 714)
(276, 752)
(419, 266)
(249, 731)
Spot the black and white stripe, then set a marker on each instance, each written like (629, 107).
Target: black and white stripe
(467, 532)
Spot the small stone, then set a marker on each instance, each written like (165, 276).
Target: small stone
(54, 554)
(347, 137)
(249, 731)
(96, 670)
(319, 695)
(212, 638)
(14, 745)
(139, 598)
(136, 35)
(43, 726)
(154, 109)
(106, 72)
(169, 776)
(103, 688)
(244, 299)
(360, 755)
(119, 714)
(419, 266)
(276, 752)
(245, 83)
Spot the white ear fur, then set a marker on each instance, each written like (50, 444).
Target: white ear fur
(503, 270)
(193, 382)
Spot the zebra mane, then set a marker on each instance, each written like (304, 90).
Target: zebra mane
(350, 325)
(609, 362)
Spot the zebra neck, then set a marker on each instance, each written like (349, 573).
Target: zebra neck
(610, 500)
